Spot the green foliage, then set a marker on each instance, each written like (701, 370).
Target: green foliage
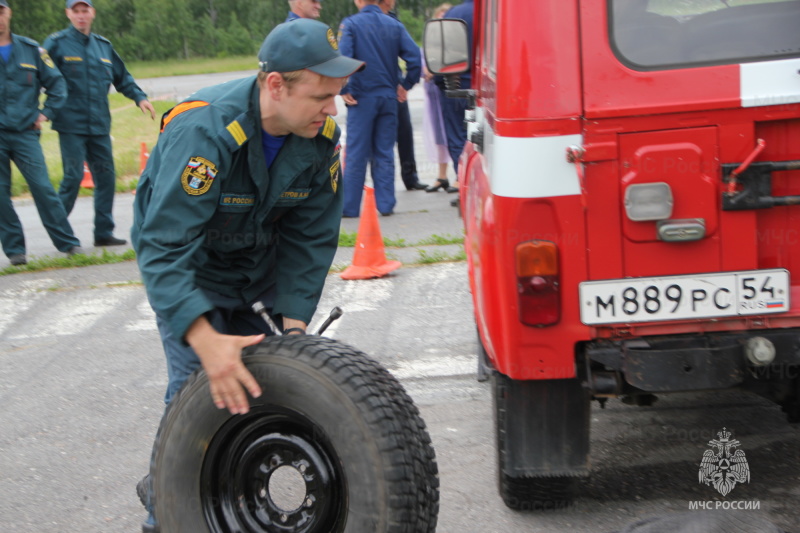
(165, 29)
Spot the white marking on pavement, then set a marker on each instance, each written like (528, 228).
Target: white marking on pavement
(442, 366)
(19, 299)
(148, 320)
(72, 316)
(365, 295)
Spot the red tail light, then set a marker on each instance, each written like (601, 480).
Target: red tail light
(537, 283)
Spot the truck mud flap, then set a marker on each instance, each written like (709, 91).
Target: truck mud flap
(543, 426)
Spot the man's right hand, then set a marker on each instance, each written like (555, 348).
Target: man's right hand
(221, 356)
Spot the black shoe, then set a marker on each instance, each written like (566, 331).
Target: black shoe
(440, 184)
(75, 250)
(452, 189)
(387, 214)
(141, 490)
(456, 202)
(418, 186)
(18, 259)
(109, 241)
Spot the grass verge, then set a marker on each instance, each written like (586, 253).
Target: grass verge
(39, 264)
(185, 67)
(129, 129)
(347, 239)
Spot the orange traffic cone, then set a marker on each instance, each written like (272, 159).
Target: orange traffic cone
(144, 155)
(88, 182)
(369, 259)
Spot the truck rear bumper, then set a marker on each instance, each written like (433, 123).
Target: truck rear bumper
(692, 362)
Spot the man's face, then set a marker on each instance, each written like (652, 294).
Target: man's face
(302, 108)
(308, 9)
(81, 16)
(5, 21)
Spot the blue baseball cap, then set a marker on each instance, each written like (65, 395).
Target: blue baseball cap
(3, 3)
(305, 44)
(71, 3)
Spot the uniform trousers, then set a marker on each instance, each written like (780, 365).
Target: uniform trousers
(371, 134)
(96, 151)
(24, 149)
(453, 110)
(230, 316)
(405, 146)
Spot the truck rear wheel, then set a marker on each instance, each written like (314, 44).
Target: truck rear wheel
(542, 441)
(334, 444)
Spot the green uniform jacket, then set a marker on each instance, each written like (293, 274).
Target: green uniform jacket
(21, 79)
(209, 214)
(90, 66)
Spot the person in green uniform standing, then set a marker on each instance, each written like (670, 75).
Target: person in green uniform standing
(241, 202)
(24, 69)
(90, 66)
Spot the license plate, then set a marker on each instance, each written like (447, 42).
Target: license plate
(754, 292)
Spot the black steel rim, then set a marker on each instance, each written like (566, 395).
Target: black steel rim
(244, 455)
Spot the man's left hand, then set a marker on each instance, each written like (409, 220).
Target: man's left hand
(402, 94)
(39, 120)
(146, 106)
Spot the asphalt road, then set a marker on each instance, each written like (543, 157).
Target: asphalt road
(82, 376)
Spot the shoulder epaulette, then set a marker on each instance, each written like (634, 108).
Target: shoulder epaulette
(57, 35)
(330, 130)
(237, 132)
(101, 38)
(28, 40)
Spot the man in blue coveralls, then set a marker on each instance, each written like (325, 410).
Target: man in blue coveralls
(24, 70)
(371, 97)
(304, 9)
(405, 132)
(241, 203)
(90, 66)
(453, 109)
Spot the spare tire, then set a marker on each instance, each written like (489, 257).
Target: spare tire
(334, 444)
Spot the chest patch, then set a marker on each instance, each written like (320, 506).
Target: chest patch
(198, 176)
(243, 201)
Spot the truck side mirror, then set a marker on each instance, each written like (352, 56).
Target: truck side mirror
(446, 46)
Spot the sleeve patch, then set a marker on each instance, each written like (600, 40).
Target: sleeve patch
(198, 176)
(336, 174)
(46, 59)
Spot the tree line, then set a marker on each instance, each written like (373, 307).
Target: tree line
(181, 29)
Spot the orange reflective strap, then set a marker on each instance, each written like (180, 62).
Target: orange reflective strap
(178, 109)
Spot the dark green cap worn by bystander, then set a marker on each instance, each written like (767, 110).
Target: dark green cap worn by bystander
(305, 44)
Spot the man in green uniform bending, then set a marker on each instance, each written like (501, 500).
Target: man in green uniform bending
(90, 66)
(241, 202)
(24, 70)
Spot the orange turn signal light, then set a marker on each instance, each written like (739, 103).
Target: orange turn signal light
(537, 258)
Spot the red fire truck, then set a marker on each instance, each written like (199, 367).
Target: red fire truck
(630, 194)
